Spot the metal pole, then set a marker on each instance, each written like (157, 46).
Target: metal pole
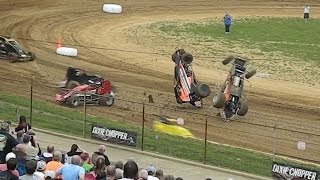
(142, 133)
(31, 100)
(85, 116)
(205, 142)
(274, 142)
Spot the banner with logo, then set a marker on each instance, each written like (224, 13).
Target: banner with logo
(286, 172)
(116, 136)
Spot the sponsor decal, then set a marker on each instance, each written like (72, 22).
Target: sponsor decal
(112, 135)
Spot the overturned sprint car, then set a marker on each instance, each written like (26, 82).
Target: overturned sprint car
(186, 87)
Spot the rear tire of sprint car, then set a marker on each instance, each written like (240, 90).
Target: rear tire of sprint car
(12, 57)
(243, 108)
(218, 100)
(250, 74)
(175, 54)
(187, 58)
(203, 90)
(227, 60)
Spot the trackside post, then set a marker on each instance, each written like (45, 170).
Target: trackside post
(205, 142)
(85, 116)
(142, 133)
(31, 100)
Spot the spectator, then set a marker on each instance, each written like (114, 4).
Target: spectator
(55, 164)
(85, 162)
(208, 179)
(31, 133)
(50, 175)
(49, 154)
(159, 174)
(19, 137)
(111, 172)
(119, 169)
(151, 172)
(143, 175)
(179, 178)
(99, 169)
(31, 167)
(27, 149)
(130, 170)
(72, 171)
(100, 152)
(41, 167)
(7, 142)
(306, 12)
(23, 125)
(74, 150)
(10, 165)
(10, 129)
(9, 172)
(169, 177)
(227, 22)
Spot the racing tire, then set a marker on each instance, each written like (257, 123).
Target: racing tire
(32, 56)
(72, 84)
(73, 101)
(187, 58)
(250, 74)
(218, 100)
(175, 54)
(12, 57)
(243, 109)
(227, 60)
(203, 90)
(106, 101)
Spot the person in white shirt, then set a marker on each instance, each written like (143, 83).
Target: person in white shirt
(306, 12)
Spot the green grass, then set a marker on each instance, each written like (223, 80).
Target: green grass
(291, 44)
(70, 121)
(292, 36)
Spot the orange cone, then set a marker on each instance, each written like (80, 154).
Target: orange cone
(59, 42)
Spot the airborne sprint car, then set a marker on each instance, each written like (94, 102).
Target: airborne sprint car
(11, 50)
(230, 98)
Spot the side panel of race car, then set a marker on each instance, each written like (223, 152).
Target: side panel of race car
(185, 83)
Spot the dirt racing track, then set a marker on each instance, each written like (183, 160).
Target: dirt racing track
(105, 47)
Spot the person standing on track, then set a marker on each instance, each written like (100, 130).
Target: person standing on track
(227, 22)
(306, 12)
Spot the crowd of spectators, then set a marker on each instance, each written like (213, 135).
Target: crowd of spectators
(21, 158)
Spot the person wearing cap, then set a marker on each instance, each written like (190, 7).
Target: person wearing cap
(227, 22)
(7, 142)
(151, 172)
(10, 166)
(31, 167)
(143, 175)
(50, 175)
(41, 168)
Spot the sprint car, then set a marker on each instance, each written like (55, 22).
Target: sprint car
(12, 51)
(230, 99)
(98, 92)
(75, 77)
(170, 126)
(186, 87)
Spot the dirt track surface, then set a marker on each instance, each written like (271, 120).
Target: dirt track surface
(292, 106)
